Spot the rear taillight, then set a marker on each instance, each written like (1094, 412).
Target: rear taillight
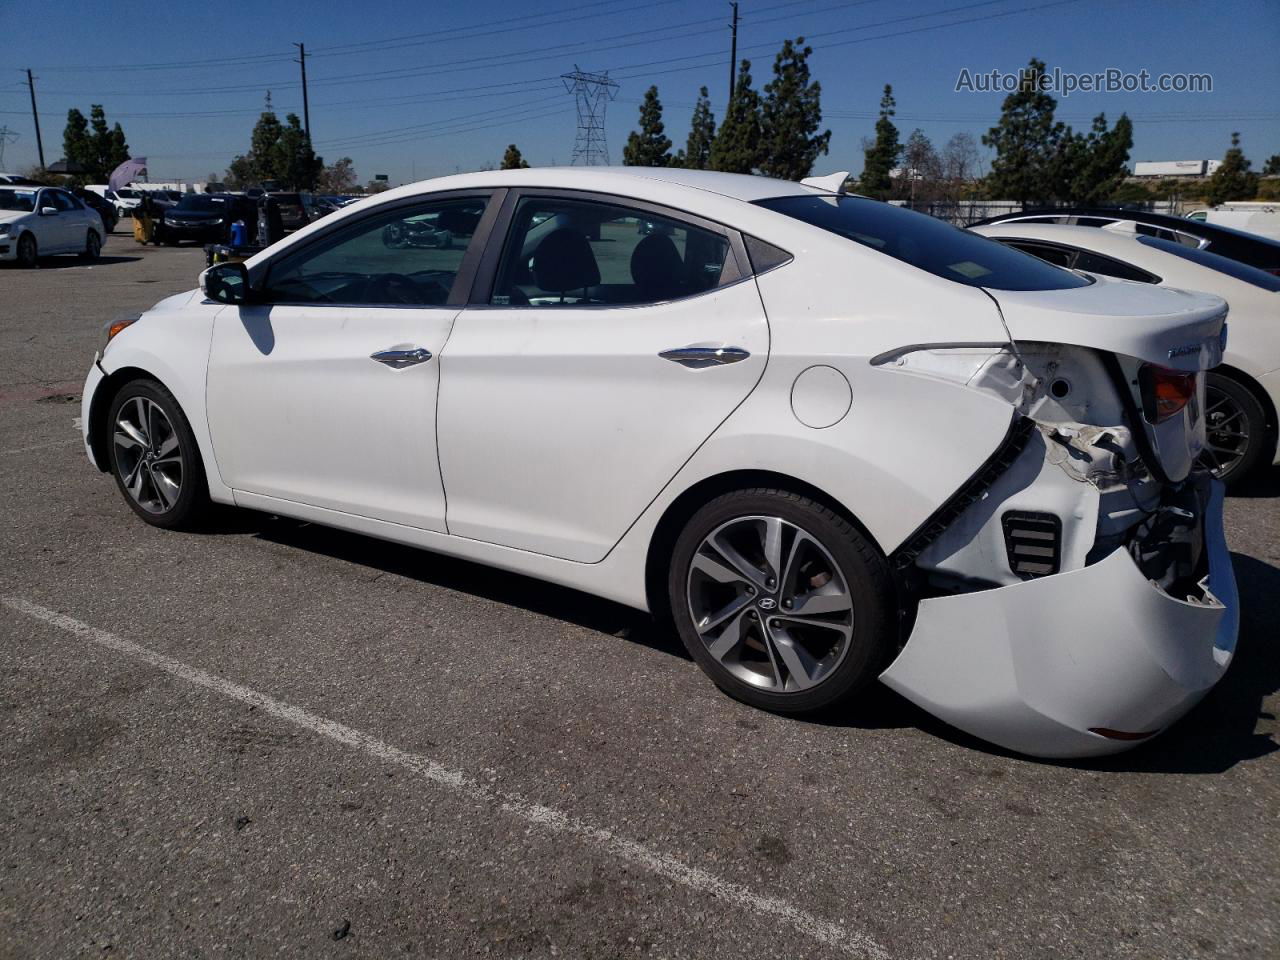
(1164, 392)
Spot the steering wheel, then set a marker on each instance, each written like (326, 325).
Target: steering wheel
(394, 288)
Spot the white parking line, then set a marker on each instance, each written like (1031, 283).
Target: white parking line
(631, 851)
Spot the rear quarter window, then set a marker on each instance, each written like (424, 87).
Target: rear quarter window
(926, 243)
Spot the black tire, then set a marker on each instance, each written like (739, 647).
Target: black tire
(92, 246)
(28, 253)
(191, 507)
(1239, 437)
(865, 573)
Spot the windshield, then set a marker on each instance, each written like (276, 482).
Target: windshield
(203, 204)
(927, 243)
(24, 200)
(1232, 268)
(127, 194)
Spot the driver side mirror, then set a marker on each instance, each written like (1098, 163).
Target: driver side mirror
(226, 283)
(48, 211)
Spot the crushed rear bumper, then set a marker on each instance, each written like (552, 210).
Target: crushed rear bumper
(1041, 666)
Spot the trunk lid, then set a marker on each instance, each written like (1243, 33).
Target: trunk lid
(1177, 329)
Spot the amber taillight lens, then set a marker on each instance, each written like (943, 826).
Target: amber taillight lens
(1164, 392)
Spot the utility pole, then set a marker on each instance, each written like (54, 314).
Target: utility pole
(733, 56)
(306, 109)
(31, 85)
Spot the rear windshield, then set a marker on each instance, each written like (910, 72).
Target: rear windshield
(24, 200)
(927, 243)
(1232, 268)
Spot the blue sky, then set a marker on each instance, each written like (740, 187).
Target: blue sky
(414, 89)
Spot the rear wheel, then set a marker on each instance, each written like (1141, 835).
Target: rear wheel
(154, 457)
(781, 601)
(27, 253)
(1235, 428)
(92, 246)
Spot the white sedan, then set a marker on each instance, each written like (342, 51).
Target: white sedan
(828, 439)
(1243, 394)
(39, 221)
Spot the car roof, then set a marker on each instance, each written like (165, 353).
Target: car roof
(1086, 238)
(734, 185)
(1196, 228)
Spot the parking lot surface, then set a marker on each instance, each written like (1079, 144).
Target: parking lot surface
(272, 738)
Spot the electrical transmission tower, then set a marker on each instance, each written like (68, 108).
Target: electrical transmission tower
(6, 136)
(593, 91)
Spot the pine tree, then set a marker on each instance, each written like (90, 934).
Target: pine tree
(1092, 167)
(1232, 180)
(92, 145)
(263, 156)
(696, 154)
(513, 159)
(790, 116)
(296, 164)
(736, 147)
(1027, 141)
(77, 146)
(1272, 167)
(649, 146)
(882, 156)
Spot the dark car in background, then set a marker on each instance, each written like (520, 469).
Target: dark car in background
(105, 208)
(1235, 245)
(293, 210)
(205, 218)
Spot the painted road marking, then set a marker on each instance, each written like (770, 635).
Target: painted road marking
(556, 821)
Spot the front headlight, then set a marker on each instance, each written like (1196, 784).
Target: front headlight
(115, 326)
(4, 228)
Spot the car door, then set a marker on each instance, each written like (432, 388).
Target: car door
(613, 337)
(77, 219)
(52, 230)
(325, 393)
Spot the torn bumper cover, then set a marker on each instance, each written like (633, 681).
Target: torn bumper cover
(1082, 663)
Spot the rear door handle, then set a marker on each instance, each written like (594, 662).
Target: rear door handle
(698, 357)
(399, 359)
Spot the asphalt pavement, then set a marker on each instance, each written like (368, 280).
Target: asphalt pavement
(276, 739)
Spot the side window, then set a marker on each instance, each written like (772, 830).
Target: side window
(1058, 256)
(48, 198)
(581, 253)
(1096, 263)
(407, 256)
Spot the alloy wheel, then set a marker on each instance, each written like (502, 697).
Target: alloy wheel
(770, 603)
(1226, 432)
(148, 455)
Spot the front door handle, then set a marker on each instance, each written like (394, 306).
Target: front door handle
(698, 357)
(399, 359)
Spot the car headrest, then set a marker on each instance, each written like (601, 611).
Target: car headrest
(564, 261)
(657, 269)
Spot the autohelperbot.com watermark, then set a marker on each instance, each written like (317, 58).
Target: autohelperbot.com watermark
(1064, 82)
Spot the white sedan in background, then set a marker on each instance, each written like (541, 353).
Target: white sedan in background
(828, 439)
(1243, 394)
(40, 221)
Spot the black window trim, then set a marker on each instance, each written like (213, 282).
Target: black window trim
(737, 266)
(463, 283)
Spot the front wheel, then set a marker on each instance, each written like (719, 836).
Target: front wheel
(27, 253)
(1235, 428)
(154, 457)
(781, 601)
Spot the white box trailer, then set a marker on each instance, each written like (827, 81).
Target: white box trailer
(1171, 168)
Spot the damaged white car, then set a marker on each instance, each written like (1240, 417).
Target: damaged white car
(830, 440)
